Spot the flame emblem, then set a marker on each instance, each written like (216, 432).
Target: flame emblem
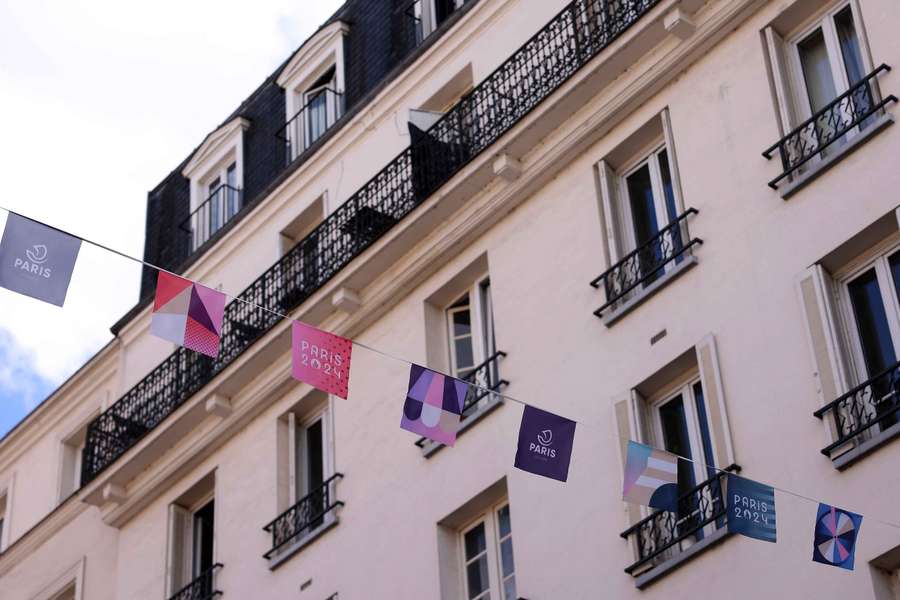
(37, 254)
(545, 437)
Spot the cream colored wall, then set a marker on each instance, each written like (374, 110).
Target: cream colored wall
(562, 358)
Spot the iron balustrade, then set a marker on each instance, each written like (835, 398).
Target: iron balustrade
(843, 115)
(875, 402)
(203, 587)
(323, 108)
(222, 204)
(537, 69)
(304, 516)
(704, 504)
(487, 377)
(645, 264)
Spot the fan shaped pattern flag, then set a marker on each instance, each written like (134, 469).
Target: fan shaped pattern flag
(834, 540)
(320, 359)
(434, 403)
(188, 314)
(651, 477)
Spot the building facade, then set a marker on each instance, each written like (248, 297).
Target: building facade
(673, 221)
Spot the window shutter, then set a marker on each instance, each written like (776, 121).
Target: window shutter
(823, 338)
(630, 416)
(780, 78)
(714, 392)
(607, 183)
(179, 546)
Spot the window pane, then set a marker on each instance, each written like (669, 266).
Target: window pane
(477, 577)
(509, 589)
(506, 557)
(871, 323)
(677, 441)
(475, 542)
(464, 356)
(204, 523)
(666, 175)
(462, 323)
(816, 70)
(846, 31)
(643, 212)
(505, 525)
(700, 403)
(314, 462)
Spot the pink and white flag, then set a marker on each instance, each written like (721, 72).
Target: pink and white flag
(320, 359)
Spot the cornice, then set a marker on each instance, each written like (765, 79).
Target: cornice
(312, 51)
(213, 143)
(27, 544)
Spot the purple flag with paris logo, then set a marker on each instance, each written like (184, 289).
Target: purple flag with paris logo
(545, 444)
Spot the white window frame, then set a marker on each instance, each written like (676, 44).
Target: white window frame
(876, 258)
(647, 157)
(295, 470)
(491, 523)
(6, 495)
(428, 16)
(685, 389)
(185, 537)
(482, 324)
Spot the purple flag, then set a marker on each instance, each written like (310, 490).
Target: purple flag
(434, 403)
(834, 539)
(545, 444)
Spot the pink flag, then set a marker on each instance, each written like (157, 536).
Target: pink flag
(187, 314)
(321, 359)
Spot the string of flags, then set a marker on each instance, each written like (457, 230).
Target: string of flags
(37, 260)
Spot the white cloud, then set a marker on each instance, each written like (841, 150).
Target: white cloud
(101, 100)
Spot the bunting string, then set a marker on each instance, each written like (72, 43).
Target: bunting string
(471, 385)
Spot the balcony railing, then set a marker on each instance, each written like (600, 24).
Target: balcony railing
(843, 115)
(662, 535)
(644, 265)
(221, 205)
(487, 377)
(322, 110)
(303, 517)
(572, 38)
(203, 587)
(873, 403)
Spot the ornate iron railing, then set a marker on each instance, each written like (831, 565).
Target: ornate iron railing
(645, 264)
(829, 125)
(322, 110)
(515, 88)
(487, 377)
(203, 587)
(660, 535)
(303, 517)
(875, 402)
(221, 205)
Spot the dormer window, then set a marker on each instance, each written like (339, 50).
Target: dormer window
(216, 174)
(313, 82)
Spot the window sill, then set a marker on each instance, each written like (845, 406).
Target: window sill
(330, 520)
(870, 445)
(430, 447)
(610, 318)
(661, 570)
(858, 140)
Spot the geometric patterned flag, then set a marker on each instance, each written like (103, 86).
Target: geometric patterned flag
(651, 477)
(751, 508)
(434, 403)
(36, 260)
(187, 314)
(320, 359)
(545, 444)
(834, 537)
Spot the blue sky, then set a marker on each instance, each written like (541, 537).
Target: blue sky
(103, 99)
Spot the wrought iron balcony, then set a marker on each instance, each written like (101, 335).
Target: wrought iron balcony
(203, 587)
(304, 517)
(537, 69)
(644, 265)
(221, 205)
(872, 404)
(660, 536)
(322, 110)
(847, 113)
(487, 377)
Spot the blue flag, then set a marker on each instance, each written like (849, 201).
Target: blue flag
(834, 538)
(751, 508)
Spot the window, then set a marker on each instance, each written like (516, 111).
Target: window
(428, 15)
(70, 468)
(470, 329)
(4, 520)
(308, 463)
(487, 556)
(192, 529)
(871, 301)
(644, 219)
